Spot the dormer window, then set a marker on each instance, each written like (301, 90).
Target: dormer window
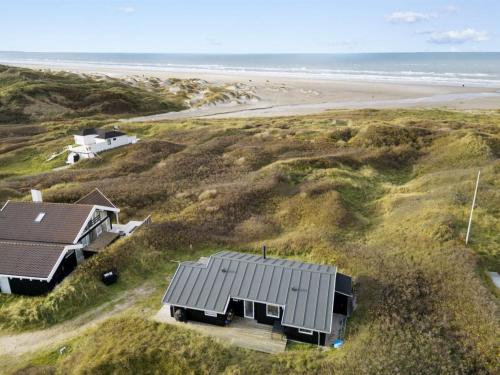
(40, 216)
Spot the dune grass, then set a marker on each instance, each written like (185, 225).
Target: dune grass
(384, 195)
(29, 95)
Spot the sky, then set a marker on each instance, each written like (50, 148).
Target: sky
(249, 26)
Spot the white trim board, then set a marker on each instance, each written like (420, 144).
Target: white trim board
(271, 315)
(245, 309)
(6, 203)
(94, 208)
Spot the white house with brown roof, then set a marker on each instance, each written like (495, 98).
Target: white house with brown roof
(41, 242)
(90, 142)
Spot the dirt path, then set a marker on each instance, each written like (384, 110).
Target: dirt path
(266, 109)
(15, 345)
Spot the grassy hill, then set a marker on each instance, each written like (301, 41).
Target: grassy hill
(385, 195)
(28, 95)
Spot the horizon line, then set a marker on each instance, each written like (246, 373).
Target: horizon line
(250, 53)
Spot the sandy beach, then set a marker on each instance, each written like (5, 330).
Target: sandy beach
(281, 95)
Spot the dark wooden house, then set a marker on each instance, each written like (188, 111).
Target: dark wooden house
(41, 243)
(298, 298)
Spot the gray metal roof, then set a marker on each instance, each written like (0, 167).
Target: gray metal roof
(305, 290)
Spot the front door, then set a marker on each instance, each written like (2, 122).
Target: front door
(4, 285)
(249, 309)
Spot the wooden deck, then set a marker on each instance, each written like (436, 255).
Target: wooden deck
(245, 333)
(102, 241)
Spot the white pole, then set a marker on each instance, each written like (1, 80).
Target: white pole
(472, 208)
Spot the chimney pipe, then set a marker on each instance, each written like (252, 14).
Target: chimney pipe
(36, 195)
(264, 251)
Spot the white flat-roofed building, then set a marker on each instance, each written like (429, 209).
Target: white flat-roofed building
(90, 142)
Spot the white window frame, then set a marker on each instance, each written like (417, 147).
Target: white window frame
(40, 217)
(306, 331)
(245, 309)
(210, 313)
(272, 315)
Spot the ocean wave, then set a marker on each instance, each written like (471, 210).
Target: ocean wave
(413, 76)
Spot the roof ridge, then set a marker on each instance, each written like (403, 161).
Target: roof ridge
(55, 203)
(218, 255)
(31, 243)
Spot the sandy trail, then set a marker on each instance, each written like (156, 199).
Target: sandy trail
(19, 344)
(266, 110)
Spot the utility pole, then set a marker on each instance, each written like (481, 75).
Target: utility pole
(472, 208)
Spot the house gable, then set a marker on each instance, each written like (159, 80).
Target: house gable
(96, 197)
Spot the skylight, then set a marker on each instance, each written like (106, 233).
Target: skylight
(40, 217)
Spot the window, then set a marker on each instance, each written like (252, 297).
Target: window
(109, 141)
(273, 311)
(248, 307)
(98, 230)
(114, 139)
(40, 217)
(305, 331)
(107, 226)
(211, 313)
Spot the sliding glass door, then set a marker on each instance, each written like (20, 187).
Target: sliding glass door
(249, 309)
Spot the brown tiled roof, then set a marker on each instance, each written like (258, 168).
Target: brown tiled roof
(61, 224)
(26, 259)
(96, 197)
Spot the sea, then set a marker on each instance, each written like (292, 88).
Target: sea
(471, 69)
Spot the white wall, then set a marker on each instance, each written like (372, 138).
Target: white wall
(4, 285)
(90, 146)
(107, 144)
(85, 139)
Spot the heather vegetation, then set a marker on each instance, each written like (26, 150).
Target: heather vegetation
(384, 195)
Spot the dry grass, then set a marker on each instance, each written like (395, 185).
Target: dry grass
(383, 194)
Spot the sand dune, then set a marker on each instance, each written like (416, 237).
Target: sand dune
(281, 95)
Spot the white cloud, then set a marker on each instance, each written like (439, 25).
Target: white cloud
(459, 36)
(127, 9)
(450, 9)
(408, 17)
